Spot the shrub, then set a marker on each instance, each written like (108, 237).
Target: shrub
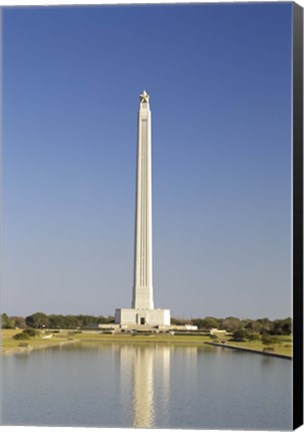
(253, 336)
(26, 334)
(268, 339)
(21, 336)
(268, 349)
(240, 335)
(31, 332)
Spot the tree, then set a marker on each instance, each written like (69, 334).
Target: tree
(86, 320)
(240, 335)
(71, 321)
(56, 321)
(253, 336)
(268, 340)
(231, 324)
(287, 326)
(206, 323)
(281, 327)
(210, 322)
(7, 322)
(252, 326)
(37, 320)
(265, 325)
(199, 322)
(178, 321)
(19, 322)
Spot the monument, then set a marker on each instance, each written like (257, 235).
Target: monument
(142, 311)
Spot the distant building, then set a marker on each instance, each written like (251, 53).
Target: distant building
(216, 332)
(190, 327)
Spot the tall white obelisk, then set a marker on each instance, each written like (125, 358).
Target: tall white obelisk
(143, 288)
(142, 311)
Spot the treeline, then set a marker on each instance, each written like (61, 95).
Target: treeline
(41, 320)
(230, 324)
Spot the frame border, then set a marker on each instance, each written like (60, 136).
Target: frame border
(297, 233)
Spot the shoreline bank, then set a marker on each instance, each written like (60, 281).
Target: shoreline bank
(267, 353)
(29, 348)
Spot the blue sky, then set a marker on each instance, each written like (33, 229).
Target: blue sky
(219, 76)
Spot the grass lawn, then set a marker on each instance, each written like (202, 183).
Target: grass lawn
(284, 345)
(151, 338)
(8, 343)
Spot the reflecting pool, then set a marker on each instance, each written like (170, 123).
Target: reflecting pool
(146, 386)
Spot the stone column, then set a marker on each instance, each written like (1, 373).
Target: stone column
(142, 288)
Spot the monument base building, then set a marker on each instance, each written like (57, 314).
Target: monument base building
(148, 317)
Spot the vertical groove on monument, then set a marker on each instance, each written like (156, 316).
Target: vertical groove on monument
(142, 288)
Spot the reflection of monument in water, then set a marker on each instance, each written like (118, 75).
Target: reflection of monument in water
(145, 375)
(143, 390)
(145, 371)
(142, 311)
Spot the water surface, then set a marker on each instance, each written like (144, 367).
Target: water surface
(158, 386)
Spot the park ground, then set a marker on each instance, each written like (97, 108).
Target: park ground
(9, 345)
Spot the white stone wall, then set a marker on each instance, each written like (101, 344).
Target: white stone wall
(142, 316)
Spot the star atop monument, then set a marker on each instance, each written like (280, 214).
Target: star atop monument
(144, 97)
